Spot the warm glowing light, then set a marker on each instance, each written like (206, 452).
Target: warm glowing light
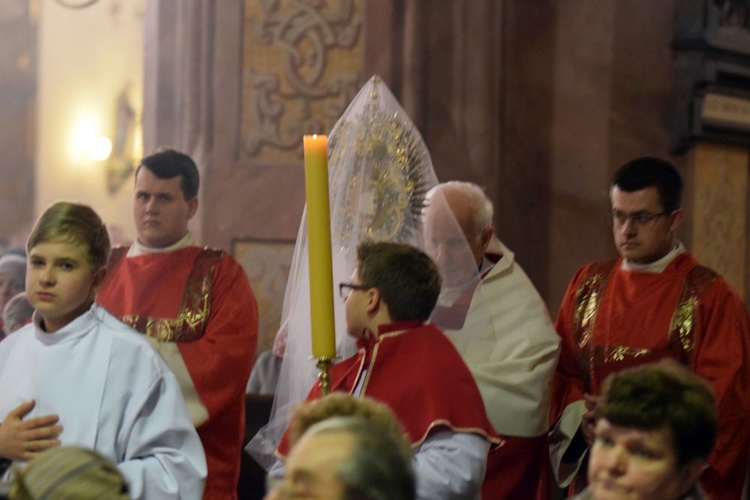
(84, 129)
(99, 148)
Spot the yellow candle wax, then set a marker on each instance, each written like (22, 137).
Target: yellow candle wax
(319, 246)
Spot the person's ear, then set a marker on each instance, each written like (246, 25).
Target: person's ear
(486, 237)
(98, 277)
(676, 220)
(374, 300)
(192, 207)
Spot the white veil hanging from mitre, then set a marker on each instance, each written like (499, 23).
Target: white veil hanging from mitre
(379, 172)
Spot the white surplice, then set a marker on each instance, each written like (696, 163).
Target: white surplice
(114, 394)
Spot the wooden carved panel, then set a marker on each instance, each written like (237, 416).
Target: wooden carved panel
(720, 210)
(302, 65)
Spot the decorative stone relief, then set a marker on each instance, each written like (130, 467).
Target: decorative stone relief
(302, 65)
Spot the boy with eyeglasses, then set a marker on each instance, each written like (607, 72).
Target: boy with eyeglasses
(655, 301)
(413, 368)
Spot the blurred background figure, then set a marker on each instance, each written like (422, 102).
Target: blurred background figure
(265, 374)
(69, 472)
(12, 279)
(17, 312)
(655, 427)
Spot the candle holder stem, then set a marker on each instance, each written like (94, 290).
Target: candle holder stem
(323, 364)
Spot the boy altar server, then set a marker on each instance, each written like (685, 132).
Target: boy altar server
(108, 386)
(414, 369)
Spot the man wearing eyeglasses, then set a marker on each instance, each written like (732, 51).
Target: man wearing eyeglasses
(655, 301)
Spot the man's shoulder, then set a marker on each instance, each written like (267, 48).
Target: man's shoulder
(597, 270)
(600, 265)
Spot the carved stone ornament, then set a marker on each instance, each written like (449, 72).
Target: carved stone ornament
(302, 65)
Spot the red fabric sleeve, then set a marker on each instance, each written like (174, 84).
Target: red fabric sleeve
(722, 356)
(220, 361)
(567, 385)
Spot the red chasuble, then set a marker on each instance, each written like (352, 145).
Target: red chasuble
(612, 319)
(419, 374)
(201, 299)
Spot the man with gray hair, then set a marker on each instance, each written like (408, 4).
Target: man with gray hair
(347, 458)
(501, 327)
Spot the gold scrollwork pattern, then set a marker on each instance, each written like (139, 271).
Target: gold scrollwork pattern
(621, 353)
(384, 201)
(302, 64)
(588, 296)
(196, 305)
(683, 324)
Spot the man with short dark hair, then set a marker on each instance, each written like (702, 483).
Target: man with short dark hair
(655, 301)
(196, 302)
(413, 368)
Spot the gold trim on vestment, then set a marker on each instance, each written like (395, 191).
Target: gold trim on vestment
(195, 309)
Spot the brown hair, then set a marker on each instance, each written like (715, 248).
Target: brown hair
(73, 223)
(663, 395)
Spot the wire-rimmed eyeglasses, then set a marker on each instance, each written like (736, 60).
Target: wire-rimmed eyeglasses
(346, 288)
(640, 219)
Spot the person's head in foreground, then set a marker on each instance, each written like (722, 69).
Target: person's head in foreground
(12, 277)
(165, 198)
(341, 404)
(69, 473)
(393, 282)
(458, 229)
(656, 425)
(68, 251)
(646, 195)
(347, 458)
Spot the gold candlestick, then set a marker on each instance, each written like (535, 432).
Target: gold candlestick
(324, 364)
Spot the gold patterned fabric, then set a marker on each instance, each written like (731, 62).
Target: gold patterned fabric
(596, 357)
(682, 327)
(196, 303)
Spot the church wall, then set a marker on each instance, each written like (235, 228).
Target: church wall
(87, 58)
(537, 101)
(612, 103)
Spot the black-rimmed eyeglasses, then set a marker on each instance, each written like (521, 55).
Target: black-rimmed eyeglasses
(346, 288)
(640, 219)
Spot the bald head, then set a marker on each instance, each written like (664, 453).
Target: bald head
(470, 209)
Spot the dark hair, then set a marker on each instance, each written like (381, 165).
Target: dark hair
(73, 223)
(648, 171)
(406, 278)
(379, 468)
(663, 395)
(168, 164)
